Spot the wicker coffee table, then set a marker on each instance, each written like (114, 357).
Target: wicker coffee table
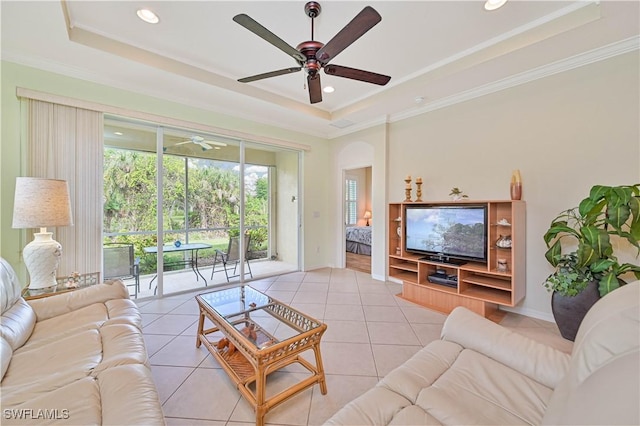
(260, 335)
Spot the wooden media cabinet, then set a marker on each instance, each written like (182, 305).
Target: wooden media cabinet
(479, 286)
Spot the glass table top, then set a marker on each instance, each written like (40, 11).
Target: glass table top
(263, 320)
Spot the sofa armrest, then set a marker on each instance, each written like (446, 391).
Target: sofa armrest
(539, 362)
(49, 307)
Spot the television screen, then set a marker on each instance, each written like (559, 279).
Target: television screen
(459, 232)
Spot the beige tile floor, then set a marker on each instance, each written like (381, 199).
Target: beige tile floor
(370, 332)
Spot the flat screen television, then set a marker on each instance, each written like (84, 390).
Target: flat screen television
(447, 233)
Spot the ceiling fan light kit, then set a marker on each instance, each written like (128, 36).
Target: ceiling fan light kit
(312, 55)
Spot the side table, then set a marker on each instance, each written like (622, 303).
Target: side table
(81, 281)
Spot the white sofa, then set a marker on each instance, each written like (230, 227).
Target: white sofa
(75, 358)
(482, 373)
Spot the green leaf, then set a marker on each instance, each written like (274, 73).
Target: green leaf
(628, 267)
(608, 283)
(618, 215)
(557, 228)
(586, 255)
(598, 239)
(622, 194)
(601, 265)
(585, 206)
(590, 213)
(598, 191)
(553, 254)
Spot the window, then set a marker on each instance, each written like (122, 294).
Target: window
(213, 188)
(351, 202)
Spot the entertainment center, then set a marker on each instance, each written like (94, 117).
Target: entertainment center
(463, 253)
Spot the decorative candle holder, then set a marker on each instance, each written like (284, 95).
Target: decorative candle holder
(418, 189)
(407, 190)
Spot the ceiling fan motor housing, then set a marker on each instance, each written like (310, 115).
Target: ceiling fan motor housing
(309, 49)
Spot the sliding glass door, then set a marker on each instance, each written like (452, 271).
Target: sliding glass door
(224, 214)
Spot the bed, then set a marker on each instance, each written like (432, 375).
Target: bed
(358, 246)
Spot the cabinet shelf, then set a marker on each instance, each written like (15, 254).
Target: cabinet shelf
(409, 267)
(440, 287)
(486, 281)
(405, 276)
(480, 286)
(488, 294)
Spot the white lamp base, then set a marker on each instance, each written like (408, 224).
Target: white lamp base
(42, 256)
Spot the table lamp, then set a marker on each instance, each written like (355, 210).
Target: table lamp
(39, 203)
(367, 216)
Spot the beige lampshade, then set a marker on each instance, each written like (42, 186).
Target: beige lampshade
(40, 203)
(367, 214)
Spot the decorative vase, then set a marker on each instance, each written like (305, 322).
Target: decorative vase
(516, 185)
(516, 190)
(569, 311)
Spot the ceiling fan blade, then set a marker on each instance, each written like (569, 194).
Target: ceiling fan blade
(363, 22)
(315, 89)
(253, 26)
(182, 143)
(269, 74)
(356, 74)
(216, 143)
(205, 146)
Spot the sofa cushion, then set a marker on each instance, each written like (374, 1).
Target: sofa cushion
(17, 324)
(5, 356)
(539, 362)
(68, 324)
(121, 344)
(479, 390)
(129, 396)
(10, 288)
(18, 319)
(123, 311)
(32, 367)
(422, 370)
(77, 403)
(445, 383)
(50, 307)
(606, 350)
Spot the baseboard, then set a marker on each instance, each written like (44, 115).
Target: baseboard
(533, 313)
(378, 277)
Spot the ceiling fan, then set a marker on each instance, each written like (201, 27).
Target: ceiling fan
(313, 55)
(199, 140)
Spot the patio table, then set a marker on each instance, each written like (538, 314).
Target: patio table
(191, 261)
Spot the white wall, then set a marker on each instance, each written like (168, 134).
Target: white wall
(365, 148)
(565, 133)
(287, 202)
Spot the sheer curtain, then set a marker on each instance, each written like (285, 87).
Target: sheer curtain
(67, 143)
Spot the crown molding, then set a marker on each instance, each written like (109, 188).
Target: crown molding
(596, 55)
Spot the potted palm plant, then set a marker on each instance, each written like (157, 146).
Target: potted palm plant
(580, 248)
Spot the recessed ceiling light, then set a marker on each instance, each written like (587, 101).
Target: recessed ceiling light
(118, 133)
(494, 4)
(328, 89)
(148, 16)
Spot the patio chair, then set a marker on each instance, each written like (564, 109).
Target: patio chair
(232, 257)
(119, 262)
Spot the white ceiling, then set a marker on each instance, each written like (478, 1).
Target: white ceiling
(441, 51)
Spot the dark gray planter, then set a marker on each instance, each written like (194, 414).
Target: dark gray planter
(570, 311)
